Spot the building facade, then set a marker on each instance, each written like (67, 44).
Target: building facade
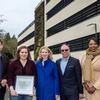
(26, 38)
(33, 35)
(73, 22)
(39, 28)
(63, 21)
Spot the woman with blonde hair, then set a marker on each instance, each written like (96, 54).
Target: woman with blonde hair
(47, 87)
(91, 70)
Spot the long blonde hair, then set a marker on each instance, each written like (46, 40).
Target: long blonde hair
(50, 53)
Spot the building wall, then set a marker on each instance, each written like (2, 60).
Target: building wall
(69, 10)
(28, 30)
(82, 29)
(33, 35)
(59, 21)
(39, 28)
(29, 42)
(77, 31)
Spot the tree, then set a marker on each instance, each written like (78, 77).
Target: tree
(10, 45)
(7, 37)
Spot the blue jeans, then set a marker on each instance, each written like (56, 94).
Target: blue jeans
(21, 97)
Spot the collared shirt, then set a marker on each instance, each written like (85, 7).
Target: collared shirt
(63, 64)
(43, 62)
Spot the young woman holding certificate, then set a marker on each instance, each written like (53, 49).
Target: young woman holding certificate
(47, 87)
(22, 66)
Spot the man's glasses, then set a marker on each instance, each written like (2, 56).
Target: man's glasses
(64, 50)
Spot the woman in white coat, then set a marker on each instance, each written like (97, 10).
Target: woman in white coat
(91, 70)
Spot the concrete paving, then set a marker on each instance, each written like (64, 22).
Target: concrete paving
(7, 97)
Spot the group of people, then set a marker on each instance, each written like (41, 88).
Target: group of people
(60, 80)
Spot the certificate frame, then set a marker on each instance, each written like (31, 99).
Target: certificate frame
(24, 85)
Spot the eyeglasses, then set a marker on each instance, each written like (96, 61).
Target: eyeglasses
(64, 50)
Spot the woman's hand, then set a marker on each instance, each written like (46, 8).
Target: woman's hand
(3, 82)
(57, 97)
(92, 90)
(89, 87)
(13, 92)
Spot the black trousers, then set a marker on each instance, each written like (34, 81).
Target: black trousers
(70, 97)
(2, 92)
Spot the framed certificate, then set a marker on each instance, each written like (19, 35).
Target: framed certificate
(24, 85)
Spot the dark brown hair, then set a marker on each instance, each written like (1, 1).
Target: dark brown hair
(94, 39)
(19, 49)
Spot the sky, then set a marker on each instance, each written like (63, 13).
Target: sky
(16, 15)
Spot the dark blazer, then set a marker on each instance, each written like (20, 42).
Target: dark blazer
(71, 80)
(5, 62)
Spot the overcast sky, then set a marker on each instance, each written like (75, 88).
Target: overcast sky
(18, 14)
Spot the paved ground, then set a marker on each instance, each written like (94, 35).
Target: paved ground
(7, 97)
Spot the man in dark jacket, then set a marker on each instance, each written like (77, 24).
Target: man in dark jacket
(4, 63)
(70, 75)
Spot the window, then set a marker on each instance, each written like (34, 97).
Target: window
(31, 47)
(76, 44)
(31, 35)
(58, 7)
(47, 1)
(76, 18)
(57, 28)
